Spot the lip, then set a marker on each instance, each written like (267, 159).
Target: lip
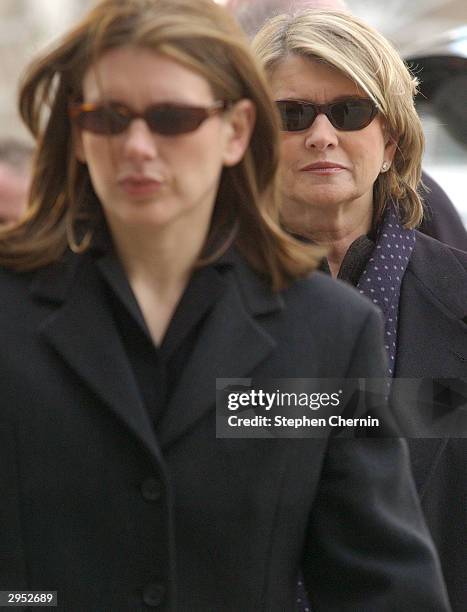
(139, 185)
(324, 167)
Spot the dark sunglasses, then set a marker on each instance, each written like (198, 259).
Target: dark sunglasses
(166, 119)
(348, 115)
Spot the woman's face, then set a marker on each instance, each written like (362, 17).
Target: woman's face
(147, 179)
(356, 157)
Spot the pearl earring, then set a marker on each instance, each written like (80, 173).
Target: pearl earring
(385, 166)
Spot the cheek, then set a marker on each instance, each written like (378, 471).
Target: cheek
(195, 163)
(99, 159)
(370, 145)
(366, 154)
(289, 152)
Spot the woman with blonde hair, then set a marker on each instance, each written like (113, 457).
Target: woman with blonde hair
(352, 147)
(150, 263)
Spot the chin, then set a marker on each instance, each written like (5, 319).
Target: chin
(322, 193)
(148, 221)
(324, 201)
(141, 217)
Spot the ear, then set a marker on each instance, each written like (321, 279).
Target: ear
(390, 149)
(240, 121)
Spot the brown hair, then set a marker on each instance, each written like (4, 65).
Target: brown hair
(203, 37)
(368, 59)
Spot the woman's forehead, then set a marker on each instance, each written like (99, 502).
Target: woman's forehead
(299, 76)
(138, 72)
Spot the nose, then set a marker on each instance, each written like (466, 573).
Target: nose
(321, 134)
(139, 141)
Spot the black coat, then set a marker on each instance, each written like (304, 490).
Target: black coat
(432, 343)
(117, 516)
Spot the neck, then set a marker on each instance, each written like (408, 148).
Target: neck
(158, 264)
(160, 259)
(334, 228)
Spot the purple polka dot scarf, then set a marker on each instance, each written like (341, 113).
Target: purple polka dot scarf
(382, 277)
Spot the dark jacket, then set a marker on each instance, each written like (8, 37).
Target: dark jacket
(432, 332)
(116, 516)
(432, 343)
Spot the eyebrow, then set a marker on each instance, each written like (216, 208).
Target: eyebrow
(337, 99)
(104, 100)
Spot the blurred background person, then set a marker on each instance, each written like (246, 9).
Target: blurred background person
(441, 220)
(15, 177)
(351, 164)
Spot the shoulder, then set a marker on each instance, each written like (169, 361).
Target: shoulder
(432, 312)
(426, 245)
(328, 299)
(316, 296)
(318, 301)
(441, 219)
(48, 283)
(318, 324)
(436, 275)
(13, 283)
(340, 323)
(436, 264)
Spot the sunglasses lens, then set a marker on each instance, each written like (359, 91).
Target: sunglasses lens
(104, 120)
(295, 116)
(115, 118)
(347, 115)
(350, 115)
(171, 121)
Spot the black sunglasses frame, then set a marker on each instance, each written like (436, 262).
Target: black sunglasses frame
(119, 117)
(313, 110)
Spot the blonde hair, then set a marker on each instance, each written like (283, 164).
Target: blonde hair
(367, 58)
(64, 209)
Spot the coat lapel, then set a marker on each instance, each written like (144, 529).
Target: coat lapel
(231, 345)
(80, 330)
(83, 334)
(433, 314)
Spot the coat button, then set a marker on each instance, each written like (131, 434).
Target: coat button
(151, 489)
(153, 594)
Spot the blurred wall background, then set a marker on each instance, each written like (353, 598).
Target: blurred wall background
(28, 25)
(415, 27)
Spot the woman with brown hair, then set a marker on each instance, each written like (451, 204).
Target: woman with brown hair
(150, 263)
